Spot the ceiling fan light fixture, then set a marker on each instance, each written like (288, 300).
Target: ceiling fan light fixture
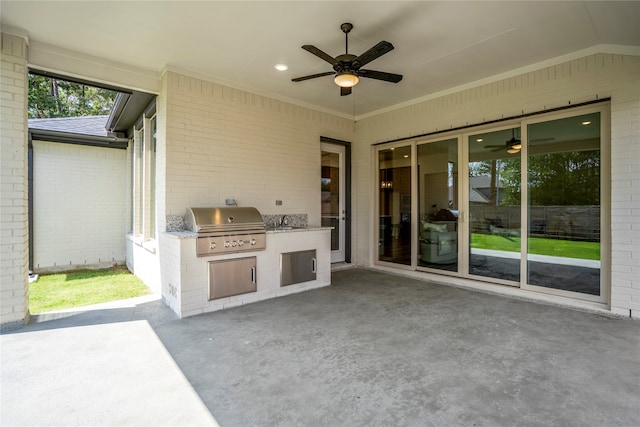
(346, 79)
(517, 145)
(513, 150)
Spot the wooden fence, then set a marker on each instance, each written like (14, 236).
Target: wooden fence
(556, 222)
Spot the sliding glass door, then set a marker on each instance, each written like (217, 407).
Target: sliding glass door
(437, 241)
(564, 176)
(394, 190)
(524, 204)
(494, 204)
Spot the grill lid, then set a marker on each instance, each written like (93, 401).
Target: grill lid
(225, 219)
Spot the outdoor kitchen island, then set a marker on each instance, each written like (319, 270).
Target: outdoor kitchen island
(185, 275)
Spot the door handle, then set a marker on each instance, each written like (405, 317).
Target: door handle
(314, 265)
(253, 275)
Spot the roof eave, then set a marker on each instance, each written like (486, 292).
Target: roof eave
(79, 139)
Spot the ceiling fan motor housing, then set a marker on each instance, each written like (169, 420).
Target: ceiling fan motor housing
(344, 62)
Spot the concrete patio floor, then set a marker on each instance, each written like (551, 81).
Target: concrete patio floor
(372, 349)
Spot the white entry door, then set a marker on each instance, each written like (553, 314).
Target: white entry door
(333, 213)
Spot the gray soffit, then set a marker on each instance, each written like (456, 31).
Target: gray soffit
(127, 110)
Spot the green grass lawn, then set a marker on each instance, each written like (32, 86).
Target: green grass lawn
(538, 246)
(74, 289)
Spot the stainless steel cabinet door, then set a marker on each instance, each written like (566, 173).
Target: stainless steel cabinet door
(232, 277)
(297, 267)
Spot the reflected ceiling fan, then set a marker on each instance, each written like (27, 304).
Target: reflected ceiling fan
(346, 67)
(513, 146)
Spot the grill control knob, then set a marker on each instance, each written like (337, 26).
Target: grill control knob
(240, 242)
(253, 241)
(234, 243)
(212, 245)
(227, 244)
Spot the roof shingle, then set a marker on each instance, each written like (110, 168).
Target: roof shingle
(85, 125)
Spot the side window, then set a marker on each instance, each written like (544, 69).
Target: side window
(144, 178)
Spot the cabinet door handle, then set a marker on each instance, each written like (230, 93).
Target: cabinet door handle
(314, 265)
(253, 275)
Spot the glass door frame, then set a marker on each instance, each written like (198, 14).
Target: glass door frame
(605, 203)
(463, 202)
(414, 205)
(339, 255)
(459, 195)
(465, 237)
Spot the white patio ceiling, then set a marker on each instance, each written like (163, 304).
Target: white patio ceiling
(438, 45)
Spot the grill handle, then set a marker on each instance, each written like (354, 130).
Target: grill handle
(314, 265)
(253, 275)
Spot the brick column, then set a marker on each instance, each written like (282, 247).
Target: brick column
(625, 194)
(14, 234)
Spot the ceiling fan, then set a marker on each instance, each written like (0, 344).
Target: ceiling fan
(346, 67)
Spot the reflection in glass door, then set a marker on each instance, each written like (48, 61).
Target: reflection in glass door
(494, 204)
(332, 193)
(564, 195)
(530, 216)
(394, 210)
(438, 205)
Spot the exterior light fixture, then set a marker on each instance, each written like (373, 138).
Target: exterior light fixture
(346, 79)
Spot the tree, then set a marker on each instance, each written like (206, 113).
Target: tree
(569, 178)
(50, 97)
(554, 179)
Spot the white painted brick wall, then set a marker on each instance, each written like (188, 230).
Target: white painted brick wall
(625, 197)
(226, 143)
(80, 206)
(14, 239)
(595, 76)
(216, 143)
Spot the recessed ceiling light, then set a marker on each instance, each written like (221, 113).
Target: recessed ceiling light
(586, 122)
(479, 140)
(406, 156)
(281, 67)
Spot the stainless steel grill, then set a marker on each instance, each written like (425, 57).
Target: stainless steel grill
(226, 230)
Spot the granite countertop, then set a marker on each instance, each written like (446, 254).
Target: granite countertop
(181, 234)
(192, 235)
(271, 230)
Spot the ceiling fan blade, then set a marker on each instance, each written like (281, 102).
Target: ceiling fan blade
(312, 76)
(320, 54)
(380, 75)
(344, 91)
(373, 53)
